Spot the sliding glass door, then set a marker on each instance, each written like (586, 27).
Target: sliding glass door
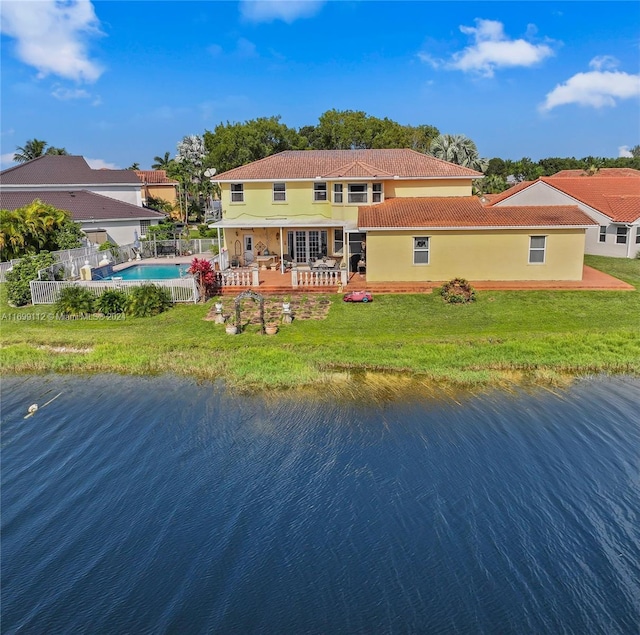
(307, 245)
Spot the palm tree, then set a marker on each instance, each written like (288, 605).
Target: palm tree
(35, 148)
(162, 163)
(457, 149)
(32, 149)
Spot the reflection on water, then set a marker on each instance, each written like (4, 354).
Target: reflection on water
(161, 505)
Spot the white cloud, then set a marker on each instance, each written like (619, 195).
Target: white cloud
(491, 50)
(53, 36)
(286, 10)
(7, 159)
(99, 164)
(65, 94)
(597, 88)
(623, 151)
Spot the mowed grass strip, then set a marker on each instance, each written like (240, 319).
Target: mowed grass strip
(537, 334)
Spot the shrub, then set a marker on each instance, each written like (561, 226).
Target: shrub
(458, 291)
(205, 276)
(111, 301)
(75, 300)
(148, 300)
(18, 290)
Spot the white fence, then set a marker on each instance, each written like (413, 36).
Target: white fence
(238, 278)
(47, 292)
(318, 278)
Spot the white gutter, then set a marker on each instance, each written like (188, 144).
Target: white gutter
(315, 179)
(474, 228)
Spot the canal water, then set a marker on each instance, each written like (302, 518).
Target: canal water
(160, 505)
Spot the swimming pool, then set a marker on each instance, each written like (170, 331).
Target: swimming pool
(151, 272)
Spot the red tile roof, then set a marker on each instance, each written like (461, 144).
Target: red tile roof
(465, 212)
(335, 164)
(54, 169)
(606, 172)
(155, 177)
(616, 197)
(82, 205)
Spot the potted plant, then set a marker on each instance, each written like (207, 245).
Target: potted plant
(231, 329)
(271, 329)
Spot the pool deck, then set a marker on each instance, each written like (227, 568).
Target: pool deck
(276, 282)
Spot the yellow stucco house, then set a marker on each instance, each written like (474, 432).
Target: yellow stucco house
(397, 214)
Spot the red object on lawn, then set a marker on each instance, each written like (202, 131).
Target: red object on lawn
(358, 296)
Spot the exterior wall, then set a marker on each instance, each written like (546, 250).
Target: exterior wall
(127, 193)
(164, 192)
(475, 255)
(542, 194)
(258, 197)
(119, 232)
(401, 189)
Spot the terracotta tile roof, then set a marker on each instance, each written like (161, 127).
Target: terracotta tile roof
(606, 172)
(63, 170)
(383, 164)
(82, 205)
(616, 197)
(465, 212)
(155, 177)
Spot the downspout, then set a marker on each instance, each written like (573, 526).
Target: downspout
(281, 251)
(630, 237)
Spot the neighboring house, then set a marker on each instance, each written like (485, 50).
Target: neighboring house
(435, 239)
(157, 184)
(304, 204)
(611, 197)
(107, 203)
(101, 217)
(407, 215)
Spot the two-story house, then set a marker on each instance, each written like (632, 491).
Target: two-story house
(106, 203)
(399, 214)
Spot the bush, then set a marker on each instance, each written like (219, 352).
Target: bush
(18, 290)
(148, 300)
(111, 301)
(458, 291)
(75, 300)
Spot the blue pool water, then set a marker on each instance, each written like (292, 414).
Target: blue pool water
(151, 272)
(161, 505)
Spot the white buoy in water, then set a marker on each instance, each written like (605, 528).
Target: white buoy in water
(33, 407)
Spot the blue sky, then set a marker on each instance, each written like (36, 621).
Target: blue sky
(121, 82)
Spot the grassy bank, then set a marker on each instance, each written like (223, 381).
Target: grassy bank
(504, 336)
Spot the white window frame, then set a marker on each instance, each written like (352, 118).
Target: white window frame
(637, 235)
(538, 250)
(602, 237)
(144, 227)
(421, 249)
(320, 192)
(353, 196)
(237, 194)
(338, 240)
(280, 192)
(624, 236)
(376, 193)
(338, 195)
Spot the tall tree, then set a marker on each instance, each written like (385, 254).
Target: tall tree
(457, 149)
(234, 144)
(162, 163)
(35, 148)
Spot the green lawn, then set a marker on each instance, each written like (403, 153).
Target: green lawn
(504, 336)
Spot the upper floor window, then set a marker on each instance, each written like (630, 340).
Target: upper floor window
(237, 193)
(376, 195)
(319, 191)
(603, 234)
(337, 192)
(537, 248)
(357, 192)
(279, 192)
(421, 250)
(621, 235)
